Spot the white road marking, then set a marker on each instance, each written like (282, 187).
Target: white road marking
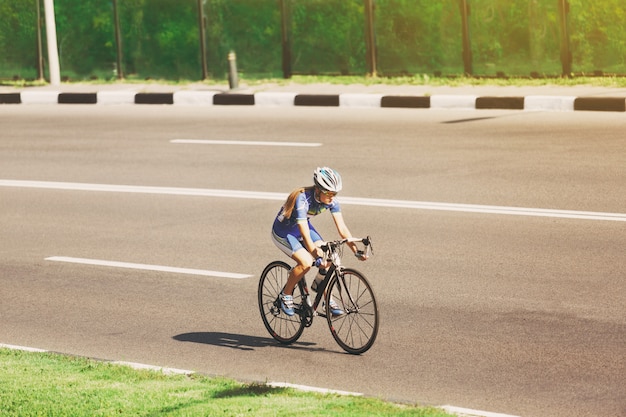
(245, 143)
(138, 189)
(475, 208)
(371, 202)
(22, 348)
(306, 388)
(143, 367)
(468, 412)
(145, 267)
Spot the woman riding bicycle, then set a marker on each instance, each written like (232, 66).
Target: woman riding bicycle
(293, 233)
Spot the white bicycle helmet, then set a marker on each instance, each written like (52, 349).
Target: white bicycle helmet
(327, 179)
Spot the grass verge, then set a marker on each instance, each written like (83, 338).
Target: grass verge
(423, 79)
(47, 384)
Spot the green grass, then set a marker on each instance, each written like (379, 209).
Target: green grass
(428, 80)
(46, 384)
(424, 79)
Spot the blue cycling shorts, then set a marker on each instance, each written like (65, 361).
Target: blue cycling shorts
(291, 243)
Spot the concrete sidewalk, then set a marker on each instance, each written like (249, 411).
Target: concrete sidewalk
(550, 98)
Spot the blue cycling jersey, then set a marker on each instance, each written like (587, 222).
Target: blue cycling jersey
(306, 207)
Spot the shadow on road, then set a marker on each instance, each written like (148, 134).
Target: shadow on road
(478, 119)
(473, 119)
(239, 341)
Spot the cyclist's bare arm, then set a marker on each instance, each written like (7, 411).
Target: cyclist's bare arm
(344, 232)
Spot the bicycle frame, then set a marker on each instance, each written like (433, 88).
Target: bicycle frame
(321, 288)
(332, 249)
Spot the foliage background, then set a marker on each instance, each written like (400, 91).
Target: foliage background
(161, 37)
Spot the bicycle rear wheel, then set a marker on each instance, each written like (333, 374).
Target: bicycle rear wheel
(355, 330)
(285, 329)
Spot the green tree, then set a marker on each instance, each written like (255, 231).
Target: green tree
(85, 36)
(160, 37)
(598, 35)
(251, 28)
(409, 36)
(18, 37)
(329, 36)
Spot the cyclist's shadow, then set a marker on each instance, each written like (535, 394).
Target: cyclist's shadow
(240, 341)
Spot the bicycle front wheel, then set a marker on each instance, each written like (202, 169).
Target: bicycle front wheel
(356, 329)
(285, 329)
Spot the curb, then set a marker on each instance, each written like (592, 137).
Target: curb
(461, 412)
(265, 99)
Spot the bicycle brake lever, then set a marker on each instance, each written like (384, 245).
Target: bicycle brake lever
(369, 248)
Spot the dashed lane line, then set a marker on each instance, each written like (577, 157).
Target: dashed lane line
(159, 268)
(245, 143)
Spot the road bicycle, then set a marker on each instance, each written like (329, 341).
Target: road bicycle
(355, 330)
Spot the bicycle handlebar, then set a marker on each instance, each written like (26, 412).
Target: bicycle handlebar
(331, 247)
(367, 241)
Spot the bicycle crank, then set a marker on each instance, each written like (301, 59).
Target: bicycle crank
(306, 314)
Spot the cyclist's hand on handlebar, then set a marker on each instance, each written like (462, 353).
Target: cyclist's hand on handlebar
(361, 255)
(321, 263)
(318, 253)
(319, 257)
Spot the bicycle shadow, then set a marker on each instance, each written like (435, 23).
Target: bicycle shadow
(242, 341)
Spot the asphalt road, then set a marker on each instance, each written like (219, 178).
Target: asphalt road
(517, 312)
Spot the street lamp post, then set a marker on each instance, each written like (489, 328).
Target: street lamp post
(53, 51)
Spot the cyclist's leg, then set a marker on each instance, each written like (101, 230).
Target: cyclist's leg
(304, 261)
(318, 241)
(315, 236)
(292, 247)
(295, 275)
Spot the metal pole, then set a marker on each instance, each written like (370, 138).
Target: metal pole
(202, 34)
(53, 51)
(467, 46)
(40, 76)
(233, 78)
(566, 53)
(370, 37)
(118, 41)
(285, 14)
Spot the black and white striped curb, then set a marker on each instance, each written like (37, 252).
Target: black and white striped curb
(212, 98)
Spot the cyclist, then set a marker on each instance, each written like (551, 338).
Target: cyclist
(293, 233)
